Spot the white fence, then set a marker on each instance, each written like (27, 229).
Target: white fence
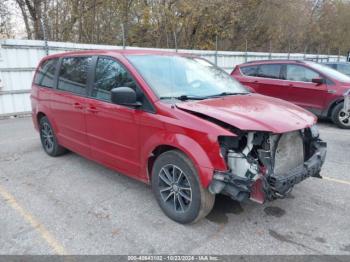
(18, 59)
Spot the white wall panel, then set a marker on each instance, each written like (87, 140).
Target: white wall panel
(18, 59)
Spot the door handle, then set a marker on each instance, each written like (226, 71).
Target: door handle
(92, 109)
(78, 105)
(290, 85)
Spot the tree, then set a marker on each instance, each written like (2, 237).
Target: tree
(5, 20)
(283, 25)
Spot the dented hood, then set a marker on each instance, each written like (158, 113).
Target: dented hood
(253, 112)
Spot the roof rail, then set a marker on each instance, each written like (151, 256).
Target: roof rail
(275, 60)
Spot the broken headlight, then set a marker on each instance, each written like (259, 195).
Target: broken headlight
(314, 131)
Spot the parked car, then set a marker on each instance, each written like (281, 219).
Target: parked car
(342, 67)
(318, 88)
(176, 122)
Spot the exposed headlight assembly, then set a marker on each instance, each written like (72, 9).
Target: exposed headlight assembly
(314, 131)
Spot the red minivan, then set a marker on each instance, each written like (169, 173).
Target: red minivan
(313, 86)
(176, 122)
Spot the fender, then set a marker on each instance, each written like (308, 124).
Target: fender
(197, 154)
(334, 102)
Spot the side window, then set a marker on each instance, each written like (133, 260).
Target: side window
(46, 73)
(249, 70)
(73, 74)
(344, 68)
(300, 73)
(110, 74)
(270, 71)
(334, 66)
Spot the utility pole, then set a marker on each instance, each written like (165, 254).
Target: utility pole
(216, 50)
(246, 50)
(43, 28)
(123, 32)
(175, 40)
(288, 50)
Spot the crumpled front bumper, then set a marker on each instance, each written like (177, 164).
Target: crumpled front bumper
(269, 186)
(278, 186)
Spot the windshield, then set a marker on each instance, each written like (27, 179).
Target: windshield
(176, 76)
(330, 72)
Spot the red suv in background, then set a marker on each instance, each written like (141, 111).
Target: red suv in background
(318, 88)
(177, 122)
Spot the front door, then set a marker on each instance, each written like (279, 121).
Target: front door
(269, 81)
(112, 129)
(303, 91)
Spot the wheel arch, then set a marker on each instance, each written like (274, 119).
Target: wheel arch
(189, 148)
(45, 113)
(333, 105)
(160, 149)
(39, 115)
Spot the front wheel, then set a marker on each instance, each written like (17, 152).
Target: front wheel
(176, 186)
(340, 117)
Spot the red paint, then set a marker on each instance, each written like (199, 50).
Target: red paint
(318, 98)
(124, 139)
(254, 112)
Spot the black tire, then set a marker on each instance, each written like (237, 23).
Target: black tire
(337, 114)
(184, 183)
(48, 138)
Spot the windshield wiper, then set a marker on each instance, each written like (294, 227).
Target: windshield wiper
(183, 97)
(191, 97)
(226, 94)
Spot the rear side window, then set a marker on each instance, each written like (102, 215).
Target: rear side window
(73, 74)
(344, 68)
(334, 66)
(249, 70)
(300, 73)
(270, 71)
(46, 74)
(110, 74)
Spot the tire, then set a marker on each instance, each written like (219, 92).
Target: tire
(338, 117)
(176, 186)
(48, 138)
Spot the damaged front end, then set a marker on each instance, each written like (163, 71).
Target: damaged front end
(265, 166)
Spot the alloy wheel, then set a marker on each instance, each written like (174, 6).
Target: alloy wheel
(47, 136)
(175, 188)
(344, 117)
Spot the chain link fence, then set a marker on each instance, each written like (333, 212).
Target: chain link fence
(19, 58)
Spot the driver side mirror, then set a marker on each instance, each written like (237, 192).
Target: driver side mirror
(125, 96)
(318, 81)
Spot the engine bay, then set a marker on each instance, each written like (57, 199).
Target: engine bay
(266, 166)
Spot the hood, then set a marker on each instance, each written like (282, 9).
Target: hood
(253, 112)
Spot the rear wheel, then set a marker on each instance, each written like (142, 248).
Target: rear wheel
(340, 117)
(48, 138)
(176, 186)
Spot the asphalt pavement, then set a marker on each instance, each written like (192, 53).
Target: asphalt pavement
(71, 205)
